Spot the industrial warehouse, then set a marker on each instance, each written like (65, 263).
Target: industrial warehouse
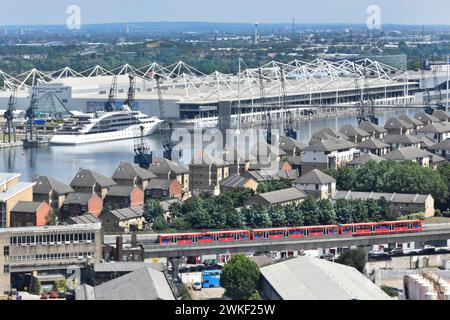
(189, 94)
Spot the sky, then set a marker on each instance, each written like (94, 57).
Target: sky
(418, 12)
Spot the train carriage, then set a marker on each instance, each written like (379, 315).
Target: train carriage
(373, 228)
(294, 232)
(204, 237)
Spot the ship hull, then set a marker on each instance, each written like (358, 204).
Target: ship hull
(128, 133)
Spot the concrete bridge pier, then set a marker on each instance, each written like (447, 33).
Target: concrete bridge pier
(175, 263)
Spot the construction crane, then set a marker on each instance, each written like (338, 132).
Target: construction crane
(289, 123)
(30, 115)
(167, 127)
(110, 105)
(9, 130)
(265, 109)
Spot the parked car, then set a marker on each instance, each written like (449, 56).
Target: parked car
(61, 295)
(53, 295)
(197, 286)
(428, 249)
(44, 296)
(396, 252)
(378, 254)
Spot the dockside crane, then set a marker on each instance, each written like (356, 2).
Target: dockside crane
(131, 96)
(167, 126)
(366, 106)
(9, 130)
(110, 105)
(143, 156)
(289, 122)
(30, 115)
(265, 109)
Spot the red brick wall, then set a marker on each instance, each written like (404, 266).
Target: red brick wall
(95, 205)
(175, 189)
(285, 166)
(41, 214)
(137, 197)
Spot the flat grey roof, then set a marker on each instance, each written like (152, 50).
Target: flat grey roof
(6, 176)
(13, 190)
(61, 228)
(391, 197)
(308, 278)
(142, 284)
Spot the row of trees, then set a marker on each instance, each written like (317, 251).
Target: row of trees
(400, 177)
(223, 212)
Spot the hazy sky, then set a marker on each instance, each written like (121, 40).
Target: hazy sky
(304, 11)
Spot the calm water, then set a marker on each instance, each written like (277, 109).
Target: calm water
(62, 162)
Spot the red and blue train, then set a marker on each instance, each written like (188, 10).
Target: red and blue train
(353, 229)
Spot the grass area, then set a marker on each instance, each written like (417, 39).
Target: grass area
(437, 220)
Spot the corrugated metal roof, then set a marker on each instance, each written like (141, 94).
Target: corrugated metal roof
(142, 284)
(308, 278)
(86, 218)
(391, 197)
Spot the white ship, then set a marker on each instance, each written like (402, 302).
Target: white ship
(104, 126)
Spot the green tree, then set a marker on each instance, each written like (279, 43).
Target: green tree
(52, 218)
(152, 210)
(257, 216)
(159, 224)
(355, 258)
(277, 216)
(310, 211)
(327, 214)
(240, 277)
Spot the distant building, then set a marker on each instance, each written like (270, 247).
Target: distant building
(363, 158)
(77, 204)
(124, 220)
(326, 154)
(317, 184)
(206, 174)
(308, 278)
(11, 192)
(374, 146)
(438, 132)
(397, 141)
(124, 196)
(234, 181)
(291, 196)
(398, 126)
(422, 157)
(327, 133)
(441, 115)
(50, 190)
(291, 146)
(355, 134)
(170, 170)
(88, 181)
(30, 214)
(441, 149)
(143, 284)
(401, 204)
(416, 124)
(128, 174)
(374, 130)
(425, 118)
(163, 189)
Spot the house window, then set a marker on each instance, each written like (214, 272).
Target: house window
(6, 269)
(83, 208)
(6, 251)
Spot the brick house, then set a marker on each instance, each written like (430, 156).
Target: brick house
(124, 196)
(88, 181)
(171, 170)
(163, 189)
(77, 204)
(30, 214)
(130, 174)
(50, 190)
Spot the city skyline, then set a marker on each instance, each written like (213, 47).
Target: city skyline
(47, 12)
